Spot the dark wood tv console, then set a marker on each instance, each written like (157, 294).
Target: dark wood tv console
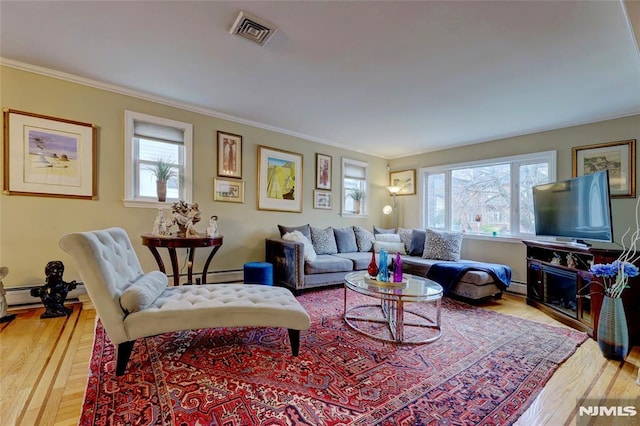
(560, 284)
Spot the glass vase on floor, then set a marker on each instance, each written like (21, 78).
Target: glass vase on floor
(613, 333)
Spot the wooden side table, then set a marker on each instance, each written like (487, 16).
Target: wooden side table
(190, 243)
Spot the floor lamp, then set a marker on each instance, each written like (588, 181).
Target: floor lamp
(393, 190)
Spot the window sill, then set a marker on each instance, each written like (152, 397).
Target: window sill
(354, 216)
(148, 204)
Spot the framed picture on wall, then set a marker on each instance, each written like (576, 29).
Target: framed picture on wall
(405, 180)
(279, 180)
(323, 171)
(229, 155)
(617, 157)
(322, 200)
(229, 190)
(49, 157)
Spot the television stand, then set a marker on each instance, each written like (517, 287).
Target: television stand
(560, 284)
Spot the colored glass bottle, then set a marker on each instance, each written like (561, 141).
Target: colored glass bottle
(372, 269)
(397, 273)
(383, 269)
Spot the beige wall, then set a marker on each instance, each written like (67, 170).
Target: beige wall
(562, 140)
(31, 226)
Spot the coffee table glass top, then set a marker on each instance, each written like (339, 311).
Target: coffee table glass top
(417, 289)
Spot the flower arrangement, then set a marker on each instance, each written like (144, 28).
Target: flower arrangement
(616, 274)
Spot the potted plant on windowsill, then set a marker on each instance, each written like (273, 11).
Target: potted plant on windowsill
(357, 195)
(163, 170)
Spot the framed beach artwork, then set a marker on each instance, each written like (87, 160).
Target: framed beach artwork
(617, 157)
(323, 171)
(229, 155)
(49, 157)
(229, 190)
(405, 180)
(322, 200)
(279, 180)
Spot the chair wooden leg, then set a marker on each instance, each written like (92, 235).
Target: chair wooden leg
(124, 352)
(294, 339)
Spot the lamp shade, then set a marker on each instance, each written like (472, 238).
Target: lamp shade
(387, 209)
(393, 189)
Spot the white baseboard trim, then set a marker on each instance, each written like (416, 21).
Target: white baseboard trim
(18, 296)
(518, 288)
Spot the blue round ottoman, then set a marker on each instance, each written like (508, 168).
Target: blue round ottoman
(258, 273)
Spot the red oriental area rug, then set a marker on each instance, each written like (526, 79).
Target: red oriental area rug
(487, 368)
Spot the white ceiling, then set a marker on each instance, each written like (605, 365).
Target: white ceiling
(389, 78)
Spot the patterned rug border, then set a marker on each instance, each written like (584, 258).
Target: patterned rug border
(414, 404)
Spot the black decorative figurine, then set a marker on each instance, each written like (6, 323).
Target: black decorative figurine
(54, 292)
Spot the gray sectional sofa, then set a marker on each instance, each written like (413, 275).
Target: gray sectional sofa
(338, 251)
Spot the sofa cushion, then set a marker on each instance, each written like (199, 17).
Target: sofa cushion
(364, 238)
(309, 251)
(323, 240)
(405, 237)
(388, 238)
(360, 260)
(143, 291)
(377, 230)
(389, 247)
(345, 239)
(305, 229)
(326, 263)
(442, 245)
(416, 248)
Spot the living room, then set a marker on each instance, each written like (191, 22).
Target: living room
(31, 226)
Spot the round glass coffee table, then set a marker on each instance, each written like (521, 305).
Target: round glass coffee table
(400, 325)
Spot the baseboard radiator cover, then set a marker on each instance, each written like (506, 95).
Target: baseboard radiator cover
(517, 287)
(21, 296)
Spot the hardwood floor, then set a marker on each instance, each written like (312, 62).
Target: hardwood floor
(44, 364)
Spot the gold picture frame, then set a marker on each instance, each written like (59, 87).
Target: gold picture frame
(322, 199)
(323, 171)
(279, 180)
(229, 155)
(49, 157)
(228, 190)
(405, 180)
(618, 157)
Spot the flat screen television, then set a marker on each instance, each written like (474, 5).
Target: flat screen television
(578, 208)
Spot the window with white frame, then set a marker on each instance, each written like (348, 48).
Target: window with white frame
(486, 197)
(150, 139)
(354, 187)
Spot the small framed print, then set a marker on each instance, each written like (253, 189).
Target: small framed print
(617, 157)
(405, 180)
(49, 157)
(229, 155)
(323, 171)
(322, 200)
(228, 190)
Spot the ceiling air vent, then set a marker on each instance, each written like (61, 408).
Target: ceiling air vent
(253, 28)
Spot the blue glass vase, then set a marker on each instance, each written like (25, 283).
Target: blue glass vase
(613, 333)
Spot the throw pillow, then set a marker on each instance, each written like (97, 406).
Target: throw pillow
(416, 248)
(309, 251)
(388, 238)
(364, 238)
(324, 242)
(405, 237)
(389, 247)
(442, 245)
(377, 230)
(305, 229)
(142, 292)
(345, 240)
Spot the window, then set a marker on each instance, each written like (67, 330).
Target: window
(147, 140)
(354, 187)
(486, 197)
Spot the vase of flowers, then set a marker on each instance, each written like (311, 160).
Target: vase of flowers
(613, 334)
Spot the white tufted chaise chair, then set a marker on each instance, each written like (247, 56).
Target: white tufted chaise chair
(132, 304)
